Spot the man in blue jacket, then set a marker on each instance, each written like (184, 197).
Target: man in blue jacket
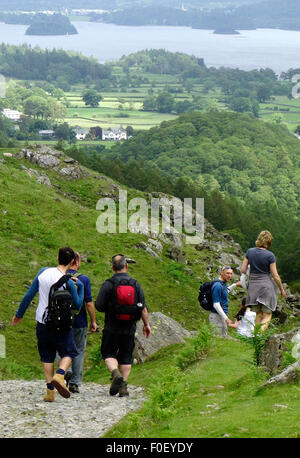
(50, 341)
(218, 316)
(80, 324)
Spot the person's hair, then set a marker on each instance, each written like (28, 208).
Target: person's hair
(225, 268)
(119, 262)
(242, 310)
(65, 255)
(264, 240)
(77, 256)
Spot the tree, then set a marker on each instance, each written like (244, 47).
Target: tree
(91, 98)
(37, 107)
(149, 103)
(240, 104)
(165, 102)
(64, 132)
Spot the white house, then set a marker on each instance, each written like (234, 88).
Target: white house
(14, 115)
(80, 132)
(114, 133)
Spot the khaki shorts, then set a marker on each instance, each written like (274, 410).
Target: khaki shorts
(260, 308)
(218, 325)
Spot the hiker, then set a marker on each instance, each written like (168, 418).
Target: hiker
(244, 320)
(74, 374)
(262, 291)
(51, 340)
(120, 322)
(218, 316)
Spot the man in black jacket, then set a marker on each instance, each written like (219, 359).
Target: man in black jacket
(119, 328)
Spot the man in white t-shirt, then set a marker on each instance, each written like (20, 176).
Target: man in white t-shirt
(51, 341)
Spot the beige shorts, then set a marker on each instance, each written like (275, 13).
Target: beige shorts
(260, 308)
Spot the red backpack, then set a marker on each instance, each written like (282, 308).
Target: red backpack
(124, 299)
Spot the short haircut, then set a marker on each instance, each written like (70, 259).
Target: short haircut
(264, 240)
(225, 268)
(65, 255)
(119, 262)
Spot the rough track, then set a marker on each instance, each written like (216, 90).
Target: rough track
(89, 414)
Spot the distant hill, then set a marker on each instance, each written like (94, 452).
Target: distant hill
(247, 169)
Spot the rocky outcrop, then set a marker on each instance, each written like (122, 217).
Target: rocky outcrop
(271, 355)
(165, 332)
(49, 158)
(40, 177)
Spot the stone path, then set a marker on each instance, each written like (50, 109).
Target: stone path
(89, 414)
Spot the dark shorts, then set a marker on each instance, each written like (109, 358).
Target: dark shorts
(118, 346)
(50, 342)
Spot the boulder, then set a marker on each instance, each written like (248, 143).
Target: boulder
(147, 248)
(290, 374)
(272, 353)
(40, 177)
(165, 332)
(71, 172)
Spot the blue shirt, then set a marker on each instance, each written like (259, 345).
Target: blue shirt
(80, 320)
(260, 260)
(220, 294)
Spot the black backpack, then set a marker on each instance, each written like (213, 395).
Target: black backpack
(205, 296)
(124, 304)
(58, 315)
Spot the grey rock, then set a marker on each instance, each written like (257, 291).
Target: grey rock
(41, 178)
(165, 332)
(176, 254)
(43, 158)
(290, 374)
(71, 172)
(271, 355)
(144, 246)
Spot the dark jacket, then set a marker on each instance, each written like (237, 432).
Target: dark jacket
(103, 303)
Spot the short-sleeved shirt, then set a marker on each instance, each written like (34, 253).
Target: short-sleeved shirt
(219, 292)
(102, 304)
(260, 260)
(80, 320)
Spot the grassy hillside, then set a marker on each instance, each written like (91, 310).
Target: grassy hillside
(207, 398)
(36, 220)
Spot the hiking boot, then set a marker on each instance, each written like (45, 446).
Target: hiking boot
(123, 390)
(68, 376)
(49, 396)
(117, 381)
(73, 388)
(58, 382)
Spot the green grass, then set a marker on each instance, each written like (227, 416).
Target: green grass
(287, 109)
(215, 398)
(37, 220)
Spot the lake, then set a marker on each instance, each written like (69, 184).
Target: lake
(276, 49)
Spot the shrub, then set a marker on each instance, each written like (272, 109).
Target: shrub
(196, 349)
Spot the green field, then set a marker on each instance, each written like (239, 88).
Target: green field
(286, 111)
